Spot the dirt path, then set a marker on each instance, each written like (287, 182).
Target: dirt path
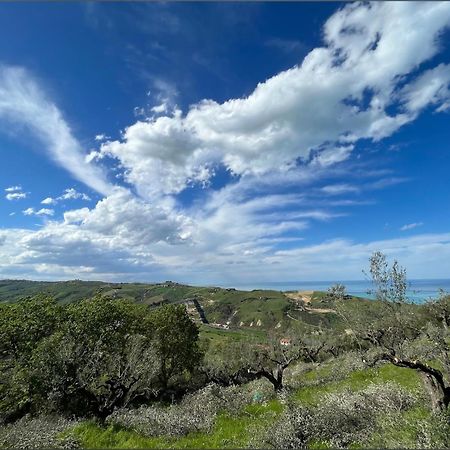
(320, 310)
(305, 297)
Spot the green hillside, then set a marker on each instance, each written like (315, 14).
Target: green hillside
(343, 387)
(216, 307)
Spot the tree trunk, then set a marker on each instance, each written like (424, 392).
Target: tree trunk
(278, 384)
(432, 378)
(435, 391)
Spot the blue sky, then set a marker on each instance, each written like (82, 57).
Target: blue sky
(223, 142)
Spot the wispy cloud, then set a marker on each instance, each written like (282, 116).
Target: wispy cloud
(286, 45)
(411, 226)
(292, 131)
(338, 189)
(24, 103)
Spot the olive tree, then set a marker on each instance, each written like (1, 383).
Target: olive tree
(22, 327)
(241, 362)
(175, 340)
(402, 336)
(90, 357)
(337, 292)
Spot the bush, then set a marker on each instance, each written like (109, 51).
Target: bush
(91, 357)
(36, 433)
(291, 430)
(196, 412)
(417, 428)
(341, 418)
(345, 417)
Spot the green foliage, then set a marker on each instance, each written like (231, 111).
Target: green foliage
(174, 337)
(22, 327)
(25, 323)
(390, 282)
(90, 357)
(115, 356)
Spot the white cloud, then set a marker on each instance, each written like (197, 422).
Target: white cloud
(45, 212)
(160, 109)
(73, 194)
(23, 103)
(332, 155)
(341, 93)
(101, 137)
(125, 237)
(16, 195)
(316, 112)
(49, 201)
(69, 194)
(13, 188)
(338, 189)
(411, 226)
(40, 212)
(430, 88)
(93, 156)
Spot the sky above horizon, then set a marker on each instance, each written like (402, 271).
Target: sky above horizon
(221, 143)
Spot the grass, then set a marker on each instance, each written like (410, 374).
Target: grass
(357, 381)
(255, 418)
(265, 306)
(401, 432)
(236, 431)
(228, 432)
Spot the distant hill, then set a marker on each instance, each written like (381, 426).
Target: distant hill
(214, 307)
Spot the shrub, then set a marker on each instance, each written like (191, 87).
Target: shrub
(196, 412)
(291, 430)
(345, 417)
(341, 418)
(36, 433)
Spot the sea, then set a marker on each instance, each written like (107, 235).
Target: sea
(418, 291)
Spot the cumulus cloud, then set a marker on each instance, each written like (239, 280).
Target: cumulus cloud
(68, 194)
(15, 193)
(24, 103)
(341, 93)
(364, 83)
(73, 194)
(39, 212)
(48, 201)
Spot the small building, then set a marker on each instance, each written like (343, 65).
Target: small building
(285, 342)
